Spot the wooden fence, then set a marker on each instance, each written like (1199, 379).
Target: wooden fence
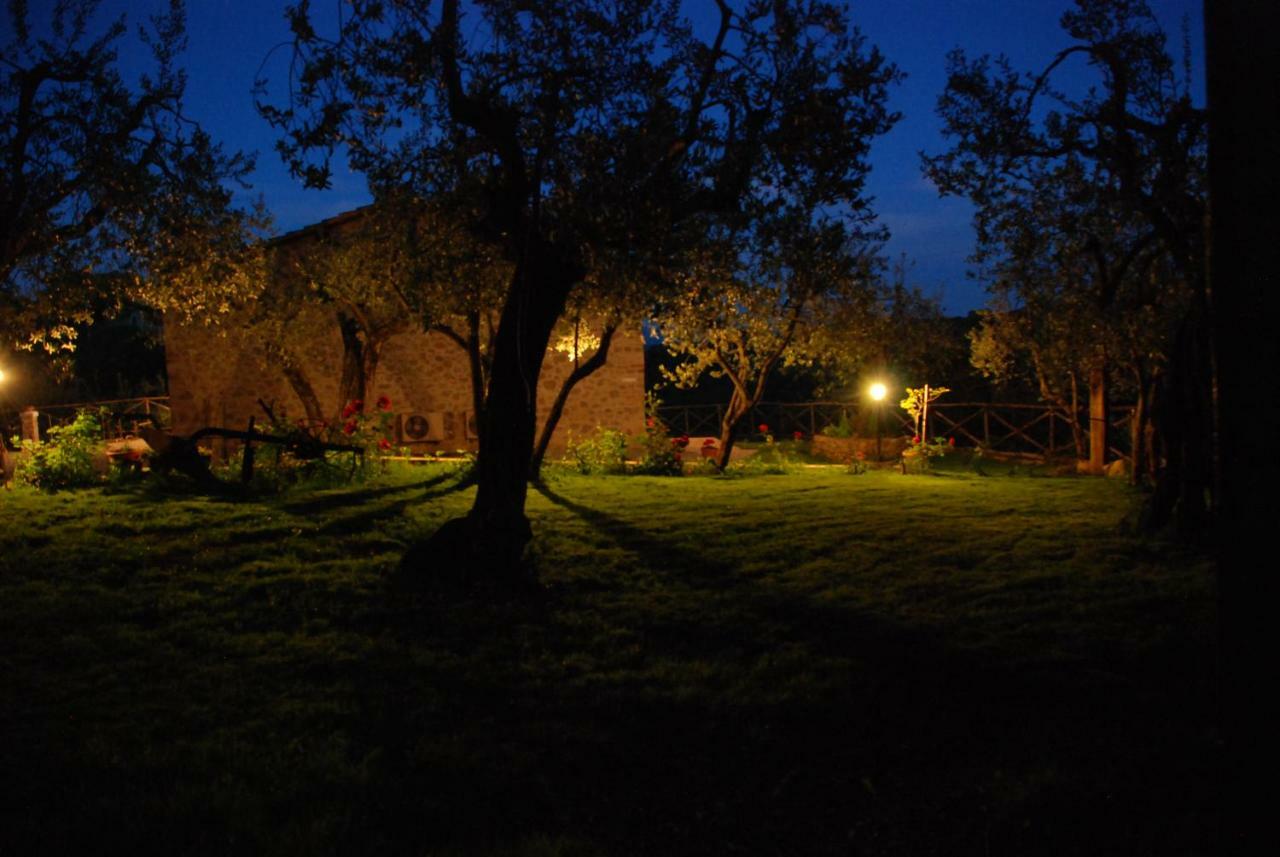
(120, 417)
(1033, 429)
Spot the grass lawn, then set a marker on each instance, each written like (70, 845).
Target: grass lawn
(814, 663)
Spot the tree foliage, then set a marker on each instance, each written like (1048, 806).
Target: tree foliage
(1090, 212)
(106, 189)
(779, 295)
(590, 142)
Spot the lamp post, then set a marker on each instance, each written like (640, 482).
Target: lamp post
(877, 391)
(4, 449)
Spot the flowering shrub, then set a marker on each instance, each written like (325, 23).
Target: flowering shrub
(373, 431)
(659, 454)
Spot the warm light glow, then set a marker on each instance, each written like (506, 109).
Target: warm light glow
(575, 347)
(1, 376)
(877, 391)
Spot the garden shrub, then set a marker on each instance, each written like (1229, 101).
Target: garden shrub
(917, 457)
(603, 452)
(660, 455)
(844, 428)
(68, 456)
(769, 458)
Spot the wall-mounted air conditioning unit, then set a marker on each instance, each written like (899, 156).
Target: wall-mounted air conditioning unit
(419, 428)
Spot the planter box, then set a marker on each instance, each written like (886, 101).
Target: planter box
(843, 450)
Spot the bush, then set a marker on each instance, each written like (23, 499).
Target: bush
(67, 458)
(769, 458)
(604, 452)
(841, 429)
(660, 455)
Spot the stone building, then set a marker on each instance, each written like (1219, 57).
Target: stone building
(218, 375)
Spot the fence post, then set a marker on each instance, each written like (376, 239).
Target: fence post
(30, 424)
(246, 463)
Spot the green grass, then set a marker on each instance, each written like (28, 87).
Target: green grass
(814, 663)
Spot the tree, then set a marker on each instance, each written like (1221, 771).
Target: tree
(1114, 177)
(577, 135)
(1243, 73)
(744, 315)
(103, 185)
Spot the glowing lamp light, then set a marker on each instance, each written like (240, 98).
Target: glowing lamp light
(1, 376)
(877, 391)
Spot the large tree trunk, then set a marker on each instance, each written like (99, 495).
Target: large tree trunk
(479, 375)
(1181, 418)
(1098, 419)
(351, 386)
(487, 546)
(302, 388)
(580, 372)
(739, 406)
(1138, 458)
(1073, 418)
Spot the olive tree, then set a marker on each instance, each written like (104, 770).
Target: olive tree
(108, 190)
(575, 135)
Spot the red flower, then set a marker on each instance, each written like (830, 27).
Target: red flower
(384, 444)
(384, 403)
(798, 435)
(764, 428)
(916, 439)
(680, 442)
(648, 421)
(951, 441)
(350, 427)
(353, 407)
(711, 441)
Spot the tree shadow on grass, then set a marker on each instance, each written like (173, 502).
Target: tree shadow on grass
(360, 521)
(714, 713)
(822, 726)
(690, 567)
(340, 499)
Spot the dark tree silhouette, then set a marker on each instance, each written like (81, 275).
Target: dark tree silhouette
(97, 176)
(1244, 179)
(1131, 148)
(577, 135)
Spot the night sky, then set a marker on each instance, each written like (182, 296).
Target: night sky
(229, 40)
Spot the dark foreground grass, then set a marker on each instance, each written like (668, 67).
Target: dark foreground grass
(807, 664)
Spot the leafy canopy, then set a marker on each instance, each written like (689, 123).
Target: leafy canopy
(104, 185)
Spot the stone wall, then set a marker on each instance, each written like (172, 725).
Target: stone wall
(217, 376)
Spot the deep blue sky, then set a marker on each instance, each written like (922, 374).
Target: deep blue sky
(229, 39)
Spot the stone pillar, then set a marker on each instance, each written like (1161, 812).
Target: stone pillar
(30, 424)
(1098, 420)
